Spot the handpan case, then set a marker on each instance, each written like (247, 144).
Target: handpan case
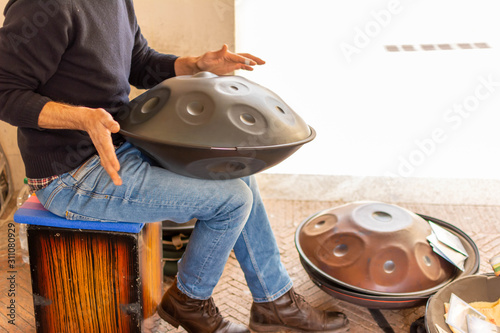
(377, 255)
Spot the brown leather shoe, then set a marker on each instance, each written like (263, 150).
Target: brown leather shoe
(291, 312)
(195, 316)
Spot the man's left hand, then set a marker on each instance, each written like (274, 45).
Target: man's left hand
(224, 61)
(218, 62)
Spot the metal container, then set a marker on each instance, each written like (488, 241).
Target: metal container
(363, 299)
(474, 288)
(376, 255)
(213, 127)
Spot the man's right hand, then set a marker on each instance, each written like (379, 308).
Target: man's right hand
(98, 123)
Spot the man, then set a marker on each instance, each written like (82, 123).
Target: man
(66, 68)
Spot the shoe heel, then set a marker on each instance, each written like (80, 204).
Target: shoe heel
(168, 318)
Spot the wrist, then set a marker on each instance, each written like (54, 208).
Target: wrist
(187, 66)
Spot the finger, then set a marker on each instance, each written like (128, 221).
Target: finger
(100, 124)
(245, 67)
(241, 59)
(110, 163)
(115, 177)
(112, 125)
(107, 153)
(106, 150)
(257, 60)
(112, 172)
(222, 52)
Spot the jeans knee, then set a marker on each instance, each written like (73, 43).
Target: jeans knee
(230, 206)
(241, 201)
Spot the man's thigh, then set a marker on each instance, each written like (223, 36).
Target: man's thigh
(148, 193)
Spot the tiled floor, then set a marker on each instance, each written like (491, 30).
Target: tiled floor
(233, 297)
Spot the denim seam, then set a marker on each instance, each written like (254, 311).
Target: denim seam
(98, 195)
(82, 169)
(155, 203)
(254, 262)
(276, 295)
(268, 298)
(217, 240)
(56, 191)
(101, 196)
(183, 289)
(79, 217)
(199, 276)
(213, 246)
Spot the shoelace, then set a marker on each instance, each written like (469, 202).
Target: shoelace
(296, 298)
(208, 306)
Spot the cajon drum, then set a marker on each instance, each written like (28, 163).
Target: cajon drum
(91, 276)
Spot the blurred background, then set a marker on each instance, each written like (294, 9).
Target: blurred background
(393, 88)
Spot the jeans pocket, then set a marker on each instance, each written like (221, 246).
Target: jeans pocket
(81, 176)
(79, 217)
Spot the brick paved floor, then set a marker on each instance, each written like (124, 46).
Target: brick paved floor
(233, 297)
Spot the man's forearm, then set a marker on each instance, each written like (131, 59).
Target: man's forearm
(98, 123)
(62, 116)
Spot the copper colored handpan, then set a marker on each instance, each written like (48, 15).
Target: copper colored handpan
(374, 248)
(213, 127)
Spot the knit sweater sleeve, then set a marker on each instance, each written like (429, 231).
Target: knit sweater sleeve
(32, 42)
(149, 67)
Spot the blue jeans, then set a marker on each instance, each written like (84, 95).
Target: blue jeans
(230, 215)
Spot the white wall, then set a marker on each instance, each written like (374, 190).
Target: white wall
(378, 112)
(373, 110)
(187, 27)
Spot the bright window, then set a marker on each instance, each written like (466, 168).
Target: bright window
(400, 88)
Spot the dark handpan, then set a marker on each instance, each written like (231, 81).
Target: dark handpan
(213, 127)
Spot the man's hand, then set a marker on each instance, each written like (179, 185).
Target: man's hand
(218, 62)
(98, 123)
(223, 61)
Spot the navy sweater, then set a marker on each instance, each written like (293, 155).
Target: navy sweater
(80, 52)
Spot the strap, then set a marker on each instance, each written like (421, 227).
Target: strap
(178, 241)
(418, 326)
(381, 321)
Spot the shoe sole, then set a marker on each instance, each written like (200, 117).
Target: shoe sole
(169, 319)
(277, 328)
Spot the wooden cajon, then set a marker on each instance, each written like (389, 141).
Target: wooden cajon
(91, 276)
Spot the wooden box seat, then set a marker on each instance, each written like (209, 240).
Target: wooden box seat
(91, 276)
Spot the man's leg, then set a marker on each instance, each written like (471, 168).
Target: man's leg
(151, 194)
(258, 253)
(276, 306)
